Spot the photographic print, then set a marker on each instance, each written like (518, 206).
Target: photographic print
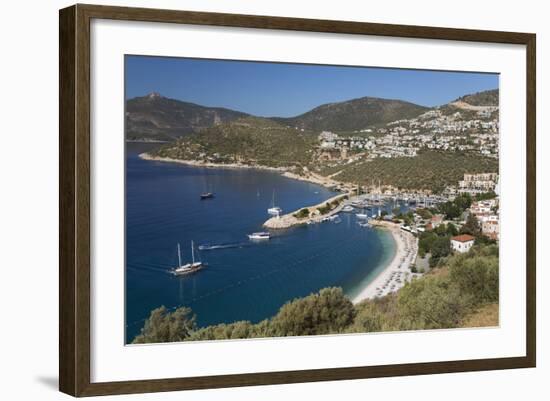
(272, 199)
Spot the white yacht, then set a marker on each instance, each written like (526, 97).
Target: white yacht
(347, 208)
(274, 210)
(362, 216)
(188, 268)
(259, 235)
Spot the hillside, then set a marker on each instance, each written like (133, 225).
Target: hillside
(355, 114)
(154, 117)
(430, 170)
(248, 140)
(485, 98)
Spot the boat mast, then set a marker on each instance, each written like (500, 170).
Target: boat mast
(179, 255)
(193, 251)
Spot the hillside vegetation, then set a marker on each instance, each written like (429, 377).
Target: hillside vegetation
(354, 114)
(157, 117)
(485, 98)
(249, 140)
(455, 295)
(431, 170)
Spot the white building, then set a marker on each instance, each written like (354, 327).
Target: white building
(490, 229)
(462, 243)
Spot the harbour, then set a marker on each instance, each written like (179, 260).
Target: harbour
(245, 279)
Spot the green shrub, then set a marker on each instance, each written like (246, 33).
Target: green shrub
(328, 311)
(302, 213)
(431, 303)
(163, 326)
(477, 277)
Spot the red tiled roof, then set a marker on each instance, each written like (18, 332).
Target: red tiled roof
(463, 238)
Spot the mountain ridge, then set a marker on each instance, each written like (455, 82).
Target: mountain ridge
(354, 114)
(483, 98)
(155, 117)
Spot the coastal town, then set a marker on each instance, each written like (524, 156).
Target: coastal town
(455, 221)
(349, 213)
(464, 211)
(444, 143)
(459, 131)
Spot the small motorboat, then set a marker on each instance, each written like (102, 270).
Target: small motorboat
(207, 195)
(263, 235)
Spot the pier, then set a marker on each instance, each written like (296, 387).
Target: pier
(289, 220)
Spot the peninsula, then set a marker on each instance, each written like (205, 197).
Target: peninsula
(308, 214)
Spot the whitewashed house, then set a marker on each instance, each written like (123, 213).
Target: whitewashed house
(462, 243)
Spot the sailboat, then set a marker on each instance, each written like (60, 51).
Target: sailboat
(188, 268)
(274, 210)
(207, 194)
(362, 215)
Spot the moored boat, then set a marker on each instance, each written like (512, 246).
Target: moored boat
(274, 210)
(207, 195)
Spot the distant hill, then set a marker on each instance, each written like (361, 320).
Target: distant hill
(154, 117)
(354, 114)
(485, 98)
(248, 140)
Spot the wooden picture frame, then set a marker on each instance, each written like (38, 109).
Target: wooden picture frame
(74, 203)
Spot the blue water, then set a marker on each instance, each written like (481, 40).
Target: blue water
(244, 280)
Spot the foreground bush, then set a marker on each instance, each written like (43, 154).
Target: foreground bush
(329, 311)
(163, 326)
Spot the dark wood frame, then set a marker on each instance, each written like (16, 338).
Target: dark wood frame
(74, 199)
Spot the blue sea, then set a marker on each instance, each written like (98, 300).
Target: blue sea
(244, 280)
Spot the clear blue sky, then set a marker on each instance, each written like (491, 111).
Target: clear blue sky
(274, 89)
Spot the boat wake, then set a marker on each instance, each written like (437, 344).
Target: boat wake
(213, 247)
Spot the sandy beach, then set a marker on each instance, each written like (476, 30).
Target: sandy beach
(397, 272)
(197, 163)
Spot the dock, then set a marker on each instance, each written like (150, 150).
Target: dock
(289, 220)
